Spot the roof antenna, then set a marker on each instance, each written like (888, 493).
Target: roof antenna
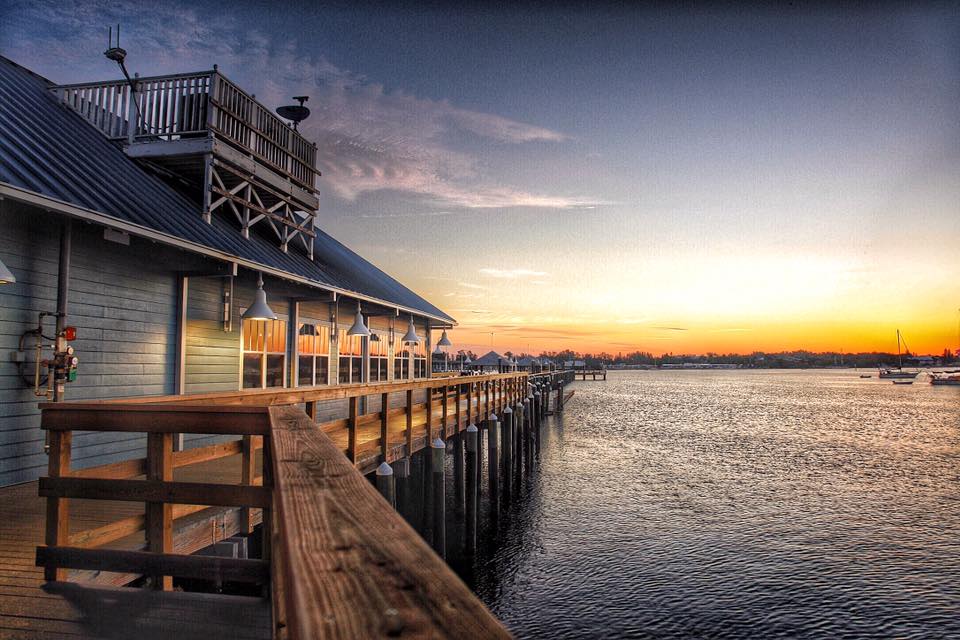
(118, 55)
(295, 113)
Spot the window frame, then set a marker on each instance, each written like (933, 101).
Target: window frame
(264, 353)
(314, 355)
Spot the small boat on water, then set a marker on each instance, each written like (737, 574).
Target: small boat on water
(865, 375)
(903, 382)
(949, 378)
(888, 373)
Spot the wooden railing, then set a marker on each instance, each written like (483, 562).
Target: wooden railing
(151, 480)
(302, 478)
(190, 105)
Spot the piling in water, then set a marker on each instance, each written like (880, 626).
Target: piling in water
(437, 452)
(493, 464)
(507, 454)
(472, 436)
(386, 485)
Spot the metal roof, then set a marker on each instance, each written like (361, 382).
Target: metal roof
(491, 358)
(47, 149)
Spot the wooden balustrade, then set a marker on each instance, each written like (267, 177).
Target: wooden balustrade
(304, 480)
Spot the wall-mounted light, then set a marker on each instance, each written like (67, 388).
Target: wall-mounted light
(6, 276)
(358, 328)
(259, 310)
(411, 335)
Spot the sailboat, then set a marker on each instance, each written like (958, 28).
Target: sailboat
(889, 372)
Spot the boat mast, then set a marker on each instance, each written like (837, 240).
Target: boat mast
(899, 357)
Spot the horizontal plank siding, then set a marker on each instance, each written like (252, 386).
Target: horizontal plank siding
(122, 301)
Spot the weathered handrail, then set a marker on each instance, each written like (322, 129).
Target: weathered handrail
(339, 560)
(352, 566)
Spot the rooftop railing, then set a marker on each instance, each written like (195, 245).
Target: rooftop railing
(193, 105)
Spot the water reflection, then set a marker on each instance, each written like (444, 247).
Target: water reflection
(729, 504)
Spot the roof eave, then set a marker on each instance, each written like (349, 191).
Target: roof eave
(33, 198)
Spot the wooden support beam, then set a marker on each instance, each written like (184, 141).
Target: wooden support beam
(58, 515)
(409, 414)
(352, 430)
(159, 515)
(248, 471)
(384, 416)
(122, 561)
(224, 495)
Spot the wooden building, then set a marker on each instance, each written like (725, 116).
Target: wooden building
(145, 224)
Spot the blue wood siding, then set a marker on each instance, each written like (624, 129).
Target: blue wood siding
(122, 301)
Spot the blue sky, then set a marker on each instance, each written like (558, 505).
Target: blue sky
(760, 178)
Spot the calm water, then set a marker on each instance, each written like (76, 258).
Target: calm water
(733, 504)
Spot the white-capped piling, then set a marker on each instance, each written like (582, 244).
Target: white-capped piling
(386, 485)
(437, 451)
(472, 444)
(493, 463)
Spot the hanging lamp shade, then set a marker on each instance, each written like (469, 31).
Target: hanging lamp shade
(444, 341)
(6, 276)
(411, 335)
(358, 328)
(259, 310)
(438, 351)
(468, 361)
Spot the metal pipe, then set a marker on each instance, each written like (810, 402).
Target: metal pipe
(63, 281)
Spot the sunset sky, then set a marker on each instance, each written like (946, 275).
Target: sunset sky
(602, 179)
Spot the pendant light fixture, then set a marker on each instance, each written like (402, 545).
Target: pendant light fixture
(444, 341)
(358, 328)
(259, 310)
(6, 276)
(411, 335)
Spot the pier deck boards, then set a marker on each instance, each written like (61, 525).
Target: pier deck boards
(75, 611)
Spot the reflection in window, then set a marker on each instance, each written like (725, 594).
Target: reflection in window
(401, 363)
(264, 353)
(378, 358)
(313, 354)
(420, 360)
(351, 358)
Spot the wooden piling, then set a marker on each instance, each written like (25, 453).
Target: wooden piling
(401, 473)
(386, 484)
(458, 491)
(472, 445)
(507, 439)
(437, 451)
(493, 464)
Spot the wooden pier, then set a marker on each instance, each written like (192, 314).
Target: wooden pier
(336, 560)
(593, 374)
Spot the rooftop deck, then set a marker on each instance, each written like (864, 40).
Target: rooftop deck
(337, 560)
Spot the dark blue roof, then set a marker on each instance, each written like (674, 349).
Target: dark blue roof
(48, 149)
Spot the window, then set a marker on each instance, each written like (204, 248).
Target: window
(313, 354)
(401, 362)
(351, 358)
(420, 360)
(378, 358)
(264, 353)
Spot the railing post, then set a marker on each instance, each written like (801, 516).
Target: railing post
(409, 409)
(384, 438)
(352, 431)
(248, 471)
(58, 509)
(444, 412)
(160, 514)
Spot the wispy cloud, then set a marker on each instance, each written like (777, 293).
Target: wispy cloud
(369, 138)
(512, 274)
(671, 328)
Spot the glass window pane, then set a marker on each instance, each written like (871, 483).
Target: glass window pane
(251, 370)
(344, 373)
(356, 369)
(274, 371)
(305, 371)
(322, 370)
